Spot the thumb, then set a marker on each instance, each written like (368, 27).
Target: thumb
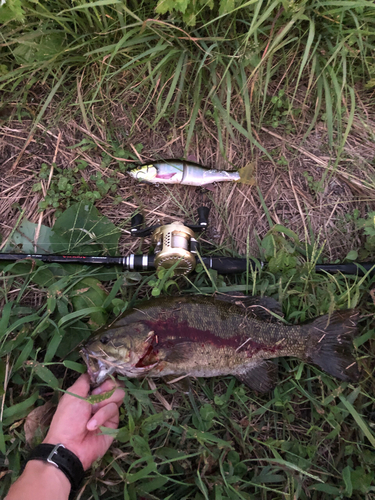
(81, 386)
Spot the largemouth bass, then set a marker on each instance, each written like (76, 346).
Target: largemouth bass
(189, 174)
(203, 336)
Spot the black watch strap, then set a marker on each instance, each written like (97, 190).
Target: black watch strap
(63, 459)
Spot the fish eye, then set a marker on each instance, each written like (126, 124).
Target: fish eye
(104, 340)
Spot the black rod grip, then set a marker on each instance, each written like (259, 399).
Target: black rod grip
(350, 268)
(228, 265)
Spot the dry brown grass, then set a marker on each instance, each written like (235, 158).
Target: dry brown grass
(236, 211)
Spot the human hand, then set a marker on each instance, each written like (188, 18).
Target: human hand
(76, 422)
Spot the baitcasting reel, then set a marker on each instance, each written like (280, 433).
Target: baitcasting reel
(174, 243)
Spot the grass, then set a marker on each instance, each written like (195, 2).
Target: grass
(311, 438)
(326, 47)
(282, 83)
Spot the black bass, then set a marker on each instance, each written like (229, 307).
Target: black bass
(203, 336)
(189, 174)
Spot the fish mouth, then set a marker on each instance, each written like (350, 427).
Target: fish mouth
(97, 369)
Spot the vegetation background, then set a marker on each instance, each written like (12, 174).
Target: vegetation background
(89, 88)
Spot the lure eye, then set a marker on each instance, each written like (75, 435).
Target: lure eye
(104, 340)
(141, 174)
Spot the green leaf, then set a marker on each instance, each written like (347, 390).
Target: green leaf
(359, 420)
(83, 231)
(141, 474)
(207, 412)
(3, 449)
(352, 255)
(268, 246)
(164, 6)
(53, 346)
(4, 319)
(98, 398)
(282, 229)
(80, 314)
(19, 410)
(152, 422)
(226, 6)
(49, 46)
(11, 10)
(77, 367)
(73, 336)
(62, 184)
(24, 355)
(22, 239)
(89, 292)
(2, 376)
(346, 475)
(44, 374)
(140, 446)
(361, 481)
(326, 488)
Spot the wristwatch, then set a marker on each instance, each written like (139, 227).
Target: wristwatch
(63, 459)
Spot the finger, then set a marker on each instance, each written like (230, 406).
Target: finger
(107, 414)
(81, 386)
(108, 385)
(117, 397)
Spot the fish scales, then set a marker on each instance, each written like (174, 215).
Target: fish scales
(206, 336)
(214, 322)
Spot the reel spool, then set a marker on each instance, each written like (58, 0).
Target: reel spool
(175, 243)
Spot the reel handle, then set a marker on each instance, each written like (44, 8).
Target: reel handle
(136, 222)
(203, 213)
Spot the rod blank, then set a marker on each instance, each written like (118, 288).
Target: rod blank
(224, 265)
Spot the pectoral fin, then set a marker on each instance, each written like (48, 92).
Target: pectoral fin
(261, 377)
(176, 351)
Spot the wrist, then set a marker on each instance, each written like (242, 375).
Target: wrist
(63, 459)
(41, 481)
(71, 446)
(49, 472)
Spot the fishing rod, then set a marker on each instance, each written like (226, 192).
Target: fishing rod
(175, 245)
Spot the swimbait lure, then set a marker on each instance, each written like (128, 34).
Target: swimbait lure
(189, 174)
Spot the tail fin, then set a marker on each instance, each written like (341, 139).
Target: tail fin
(247, 174)
(331, 344)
